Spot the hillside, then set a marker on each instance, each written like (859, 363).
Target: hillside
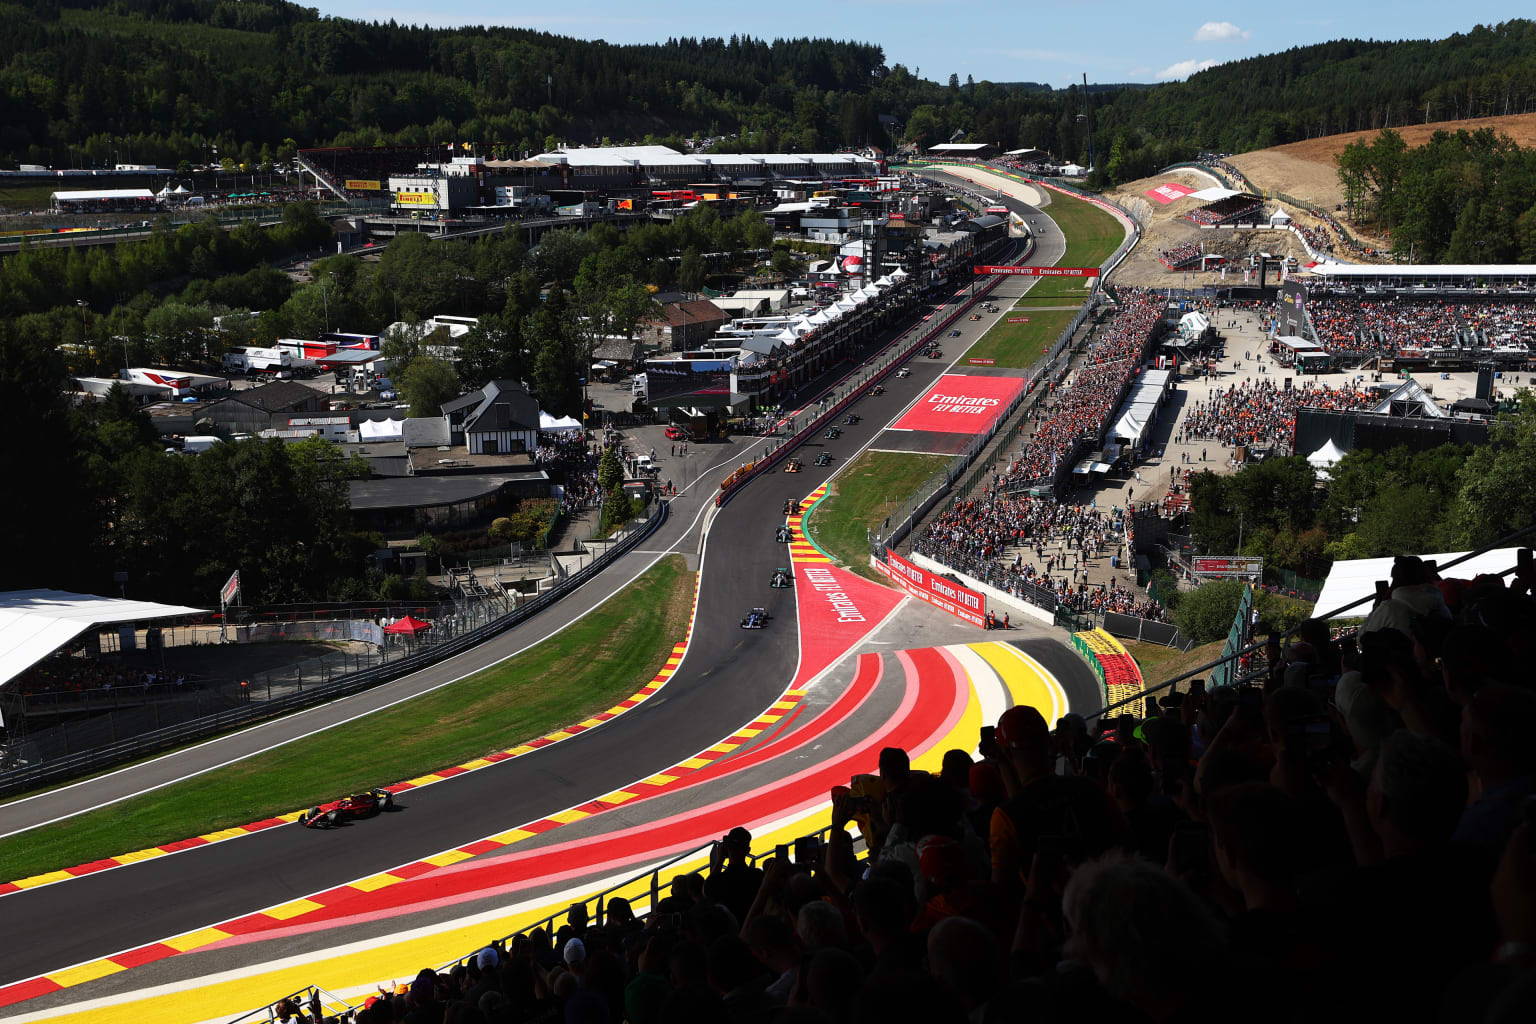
(1308, 170)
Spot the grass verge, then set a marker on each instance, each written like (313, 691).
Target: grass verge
(1092, 235)
(588, 667)
(1019, 345)
(1159, 664)
(873, 487)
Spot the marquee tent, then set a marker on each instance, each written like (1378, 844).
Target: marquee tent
(35, 623)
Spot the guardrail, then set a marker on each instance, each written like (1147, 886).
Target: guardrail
(31, 776)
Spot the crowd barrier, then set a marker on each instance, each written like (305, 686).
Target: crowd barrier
(31, 776)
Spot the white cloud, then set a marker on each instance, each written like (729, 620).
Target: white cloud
(1183, 69)
(1220, 32)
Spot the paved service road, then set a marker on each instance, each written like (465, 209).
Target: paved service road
(728, 676)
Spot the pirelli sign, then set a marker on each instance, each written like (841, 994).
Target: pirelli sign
(416, 198)
(363, 185)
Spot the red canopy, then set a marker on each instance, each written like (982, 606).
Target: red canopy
(408, 626)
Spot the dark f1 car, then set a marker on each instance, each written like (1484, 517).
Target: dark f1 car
(833, 433)
(784, 535)
(781, 578)
(824, 459)
(791, 506)
(793, 466)
(934, 353)
(348, 808)
(757, 618)
(877, 390)
(853, 418)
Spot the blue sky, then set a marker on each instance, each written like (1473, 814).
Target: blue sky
(1111, 40)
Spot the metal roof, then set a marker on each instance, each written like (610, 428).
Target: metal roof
(35, 623)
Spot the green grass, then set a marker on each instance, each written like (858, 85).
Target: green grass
(588, 667)
(1019, 345)
(1092, 234)
(26, 197)
(1159, 664)
(873, 487)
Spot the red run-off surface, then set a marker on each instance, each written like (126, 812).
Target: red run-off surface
(960, 404)
(1169, 191)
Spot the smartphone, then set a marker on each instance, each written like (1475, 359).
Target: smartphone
(781, 853)
(1383, 590)
(1523, 558)
(807, 850)
(1197, 686)
(989, 734)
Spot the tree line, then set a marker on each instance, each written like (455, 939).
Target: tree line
(1374, 504)
(256, 80)
(1462, 197)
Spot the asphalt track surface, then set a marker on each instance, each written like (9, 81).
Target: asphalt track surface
(728, 676)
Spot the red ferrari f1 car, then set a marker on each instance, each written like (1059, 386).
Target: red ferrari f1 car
(348, 808)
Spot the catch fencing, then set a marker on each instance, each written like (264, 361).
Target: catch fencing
(323, 679)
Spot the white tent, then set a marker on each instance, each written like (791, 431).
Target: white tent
(1325, 458)
(820, 319)
(550, 424)
(871, 292)
(802, 326)
(846, 306)
(886, 281)
(832, 312)
(35, 623)
(898, 274)
(381, 430)
(1194, 324)
(180, 190)
(858, 298)
(787, 336)
(163, 192)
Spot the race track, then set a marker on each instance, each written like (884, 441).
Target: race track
(927, 697)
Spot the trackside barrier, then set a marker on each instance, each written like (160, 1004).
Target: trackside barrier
(1226, 659)
(890, 361)
(31, 776)
(329, 1004)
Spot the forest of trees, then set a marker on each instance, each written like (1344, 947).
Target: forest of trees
(257, 79)
(1450, 498)
(1462, 197)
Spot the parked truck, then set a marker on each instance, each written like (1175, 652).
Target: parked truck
(258, 360)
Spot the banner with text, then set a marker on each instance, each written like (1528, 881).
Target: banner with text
(1212, 565)
(1039, 271)
(363, 185)
(416, 198)
(961, 404)
(959, 601)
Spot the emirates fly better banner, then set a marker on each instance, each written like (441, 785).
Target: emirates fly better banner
(1040, 271)
(962, 404)
(959, 601)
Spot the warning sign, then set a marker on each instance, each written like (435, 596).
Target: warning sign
(962, 404)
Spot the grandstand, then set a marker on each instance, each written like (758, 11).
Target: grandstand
(1224, 206)
(1455, 328)
(110, 200)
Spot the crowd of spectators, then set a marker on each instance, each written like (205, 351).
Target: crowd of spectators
(568, 457)
(1228, 210)
(66, 678)
(1347, 839)
(1180, 255)
(1081, 408)
(1260, 411)
(1398, 324)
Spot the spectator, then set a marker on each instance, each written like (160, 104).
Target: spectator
(1495, 742)
(733, 882)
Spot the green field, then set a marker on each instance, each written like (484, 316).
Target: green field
(1092, 234)
(588, 667)
(1019, 345)
(26, 197)
(862, 495)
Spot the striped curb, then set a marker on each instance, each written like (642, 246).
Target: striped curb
(442, 774)
(801, 547)
(289, 912)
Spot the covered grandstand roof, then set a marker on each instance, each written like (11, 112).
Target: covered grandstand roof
(35, 623)
(1214, 193)
(959, 147)
(106, 193)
